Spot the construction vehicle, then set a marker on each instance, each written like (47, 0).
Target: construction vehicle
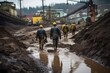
(91, 9)
(36, 20)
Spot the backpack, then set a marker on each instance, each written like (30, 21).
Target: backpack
(73, 27)
(65, 29)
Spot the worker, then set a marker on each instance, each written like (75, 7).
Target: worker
(55, 34)
(65, 30)
(73, 28)
(62, 26)
(42, 36)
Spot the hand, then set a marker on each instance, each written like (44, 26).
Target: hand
(45, 40)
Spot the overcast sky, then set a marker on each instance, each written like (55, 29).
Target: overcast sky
(34, 3)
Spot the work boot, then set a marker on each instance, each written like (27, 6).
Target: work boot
(55, 49)
(41, 48)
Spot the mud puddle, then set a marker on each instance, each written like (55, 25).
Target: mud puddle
(63, 61)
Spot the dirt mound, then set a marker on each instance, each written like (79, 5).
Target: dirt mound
(94, 40)
(14, 58)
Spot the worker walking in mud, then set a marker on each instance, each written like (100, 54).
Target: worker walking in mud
(55, 34)
(72, 28)
(42, 36)
(65, 30)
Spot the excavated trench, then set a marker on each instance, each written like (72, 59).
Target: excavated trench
(61, 61)
(64, 61)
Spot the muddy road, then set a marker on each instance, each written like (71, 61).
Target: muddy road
(61, 61)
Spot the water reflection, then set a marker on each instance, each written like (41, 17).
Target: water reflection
(66, 62)
(74, 67)
(43, 57)
(96, 68)
(63, 61)
(56, 64)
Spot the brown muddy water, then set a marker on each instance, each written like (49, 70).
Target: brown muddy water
(63, 61)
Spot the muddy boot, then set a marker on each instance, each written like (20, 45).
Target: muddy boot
(41, 48)
(55, 49)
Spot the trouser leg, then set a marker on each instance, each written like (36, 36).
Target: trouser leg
(66, 35)
(55, 43)
(73, 32)
(41, 43)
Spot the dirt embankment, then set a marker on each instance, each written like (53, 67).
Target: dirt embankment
(93, 41)
(14, 58)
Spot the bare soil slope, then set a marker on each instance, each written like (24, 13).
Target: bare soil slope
(14, 58)
(94, 41)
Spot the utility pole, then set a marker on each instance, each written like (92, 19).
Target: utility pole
(43, 7)
(92, 10)
(67, 2)
(20, 8)
(50, 19)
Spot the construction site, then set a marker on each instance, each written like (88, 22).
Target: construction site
(86, 50)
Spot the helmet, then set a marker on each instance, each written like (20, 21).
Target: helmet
(40, 26)
(54, 23)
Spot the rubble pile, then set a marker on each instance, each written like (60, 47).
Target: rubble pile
(94, 41)
(14, 58)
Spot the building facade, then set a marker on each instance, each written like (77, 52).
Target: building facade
(8, 7)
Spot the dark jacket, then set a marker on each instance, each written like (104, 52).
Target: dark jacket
(55, 33)
(41, 34)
